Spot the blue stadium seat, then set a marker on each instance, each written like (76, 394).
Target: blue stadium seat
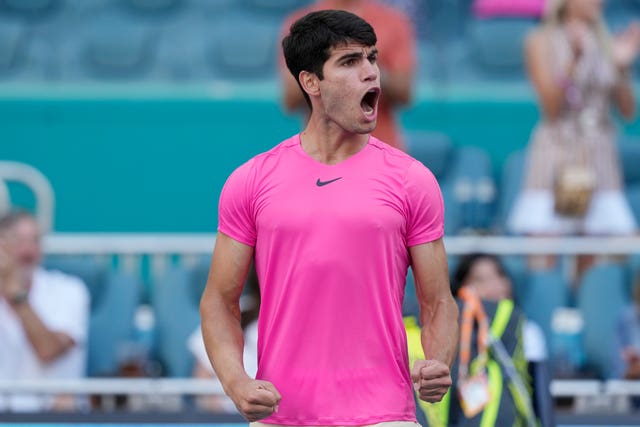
(177, 316)
(601, 295)
(13, 38)
(276, 7)
(111, 326)
(633, 263)
(421, 21)
(497, 45)
(620, 13)
(452, 209)
(433, 149)
(30, 9)
(251, 54)
(545, 291)
(629, 155)
(114, 298)
(510, 186)
(632, 192)
(199, 276)
(443, 20)
(184, 44)
(116, 48)
(474, 188)
(153, 7)
(518, 271)
(88, 269)
(430, 60)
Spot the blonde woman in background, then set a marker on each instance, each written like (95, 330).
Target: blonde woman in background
(579, 73)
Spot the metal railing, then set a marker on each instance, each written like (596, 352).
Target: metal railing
(134, 252)
(196, 387)
(191, 244)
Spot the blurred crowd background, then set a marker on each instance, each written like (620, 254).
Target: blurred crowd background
(126, 116)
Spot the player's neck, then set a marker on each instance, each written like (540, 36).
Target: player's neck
(329, 144)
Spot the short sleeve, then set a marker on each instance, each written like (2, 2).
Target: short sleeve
(425, 215)
(68, 291)
(235, 209)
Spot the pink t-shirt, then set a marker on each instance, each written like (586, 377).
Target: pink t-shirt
(331, 251)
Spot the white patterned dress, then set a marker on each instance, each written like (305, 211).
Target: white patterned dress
(583, 132)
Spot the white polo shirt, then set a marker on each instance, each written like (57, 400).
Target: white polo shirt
(62, 303)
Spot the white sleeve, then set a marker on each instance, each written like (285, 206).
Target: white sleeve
(535, 347)
(68, 308)
(195, 344)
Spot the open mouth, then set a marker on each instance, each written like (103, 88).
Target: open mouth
(370, 101)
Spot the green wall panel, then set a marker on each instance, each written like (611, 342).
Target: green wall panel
(154, 160)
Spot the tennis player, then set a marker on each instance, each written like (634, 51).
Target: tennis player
(334, 217)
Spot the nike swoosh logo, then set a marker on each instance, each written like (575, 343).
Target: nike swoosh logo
(323, 183)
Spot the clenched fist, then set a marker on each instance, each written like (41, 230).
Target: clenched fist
(431, 379)
(255, 399)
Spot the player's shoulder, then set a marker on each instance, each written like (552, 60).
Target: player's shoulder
(396, 157)
(266, 160)
(273, 154)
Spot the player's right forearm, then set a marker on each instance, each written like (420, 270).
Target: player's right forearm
(223, 338)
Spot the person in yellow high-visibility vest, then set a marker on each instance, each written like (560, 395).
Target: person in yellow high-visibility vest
(491, 384)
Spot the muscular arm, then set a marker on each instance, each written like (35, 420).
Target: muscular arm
(438, 309)
(220, 309)
(47, 344)
(222, 333)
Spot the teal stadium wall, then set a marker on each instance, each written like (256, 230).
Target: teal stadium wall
(154, 159)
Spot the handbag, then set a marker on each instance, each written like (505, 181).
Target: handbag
(573, 189)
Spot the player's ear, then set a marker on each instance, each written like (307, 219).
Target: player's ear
(309, 82)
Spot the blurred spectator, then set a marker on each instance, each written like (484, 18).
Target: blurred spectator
(510, 342)
(487, 276)
(573, 182)
(250, 307)
(43, 317)
(397, 62)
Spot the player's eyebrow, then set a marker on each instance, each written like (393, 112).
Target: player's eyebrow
(351, 55)
(358, 55)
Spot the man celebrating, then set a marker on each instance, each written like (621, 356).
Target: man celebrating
(397, 62)
(333, 217)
